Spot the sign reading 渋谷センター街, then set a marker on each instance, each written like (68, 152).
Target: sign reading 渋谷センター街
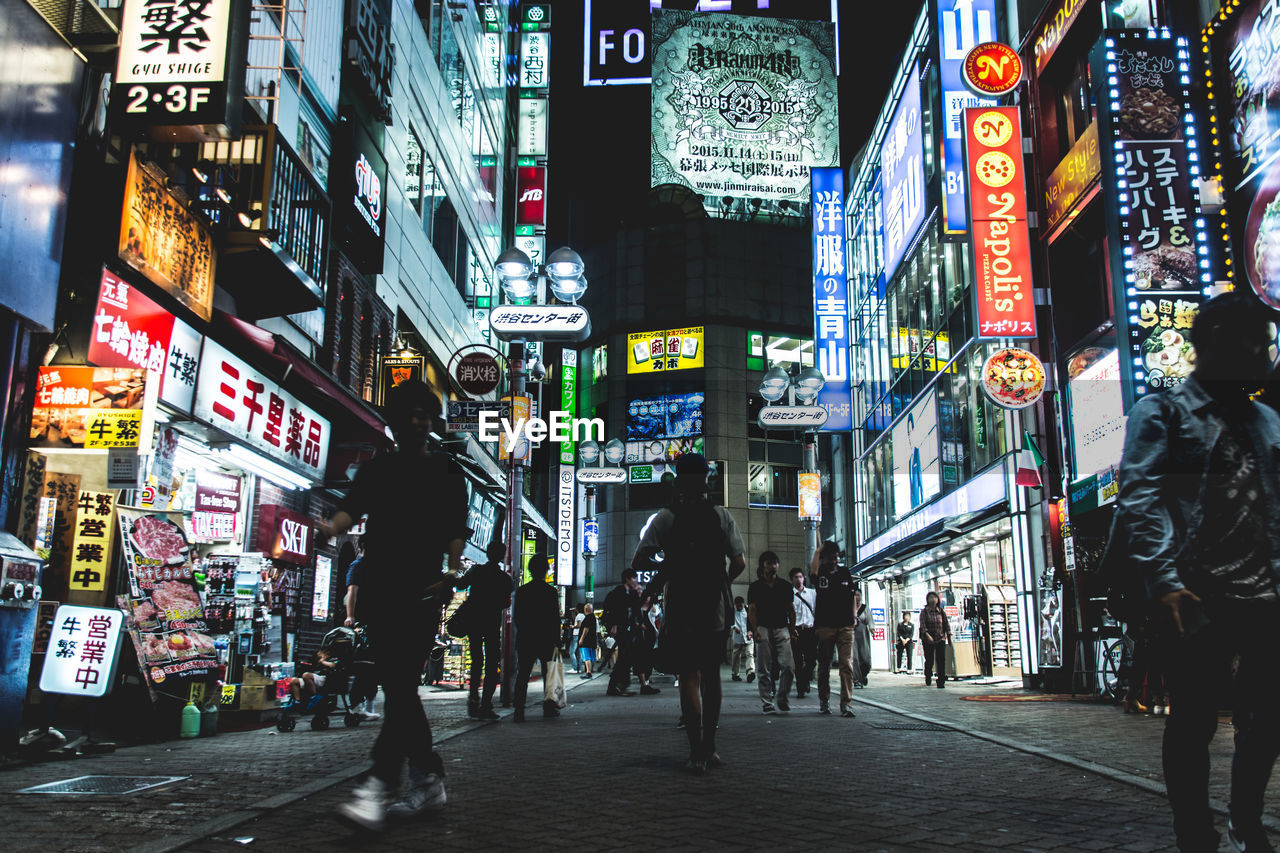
(89, 408)
(251, 406)
(998, 210)
(1146, 127)
(166, 615)
(163, 240)
(181, 64)
(831, 299)
(131, 330)
(743, 107)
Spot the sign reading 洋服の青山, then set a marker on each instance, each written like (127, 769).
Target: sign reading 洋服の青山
(1159, 264)
(902, 176)
(831, 299)
(181, 63)
(742, 107)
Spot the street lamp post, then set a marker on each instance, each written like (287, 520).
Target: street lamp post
(519, 281)
(803, 389)
(588, 454)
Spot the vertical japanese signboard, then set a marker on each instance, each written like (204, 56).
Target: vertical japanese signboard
(1245, 42)
(742, 107)
(535, 51)
(568, 396)
(182, 63)
(251, 406)
(962, 25)
(531, 185)
(81, 654)
(131, 330)
(998, 207)
(531, 135)
(831, 299)
(1158, 263)
(91, 547)
(566, 524)
(162, 239)
(902, 177)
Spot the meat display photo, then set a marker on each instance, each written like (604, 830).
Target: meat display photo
(167, 623)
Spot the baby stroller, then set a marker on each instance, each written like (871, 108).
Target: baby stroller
(348, 649)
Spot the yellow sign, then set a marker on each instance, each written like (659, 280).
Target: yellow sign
(810, 495)
(113, 428)
(519, 414)
(91, 547)
(228, 694)
(668, 349)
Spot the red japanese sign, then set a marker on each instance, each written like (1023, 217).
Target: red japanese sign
(131, 330)
(992, 69)
(531, 185)
(998, 210)
(284, 534)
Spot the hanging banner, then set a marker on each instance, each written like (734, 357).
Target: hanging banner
(566, 522)
(810, 488)
(998, 207)
(962, 27)
(831, 299)
(162, 239)
(91, 547)
(167, 618)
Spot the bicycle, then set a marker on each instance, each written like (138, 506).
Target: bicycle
(1117, 660)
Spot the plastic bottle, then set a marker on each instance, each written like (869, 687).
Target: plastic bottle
(190, 721)
(209, 720)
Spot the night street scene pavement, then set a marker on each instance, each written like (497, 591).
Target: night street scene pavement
(656, 424)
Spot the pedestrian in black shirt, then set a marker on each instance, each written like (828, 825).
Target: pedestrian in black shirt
(906, 641)
(935, 633)
(622, 616)
(537, 623)
(835, 619)
(1196, 524)
(416, 502)
(489, 594)
(771, 618)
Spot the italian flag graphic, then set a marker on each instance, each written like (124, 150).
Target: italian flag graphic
(1029, 461)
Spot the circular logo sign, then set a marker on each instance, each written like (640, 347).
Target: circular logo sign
(992, 69)
(477, 373)
(995, 169)
(992, 129)
(157, 675)
(1013, 378)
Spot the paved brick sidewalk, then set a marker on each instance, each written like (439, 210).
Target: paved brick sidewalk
(606, 774)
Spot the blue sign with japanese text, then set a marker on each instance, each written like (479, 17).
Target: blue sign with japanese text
(902, 177)
(831, 298)
(962, 24)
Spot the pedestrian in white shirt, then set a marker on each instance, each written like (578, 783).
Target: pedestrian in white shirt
(743, 647)
(804, 648)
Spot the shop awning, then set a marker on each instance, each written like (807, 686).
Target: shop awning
(353, 418)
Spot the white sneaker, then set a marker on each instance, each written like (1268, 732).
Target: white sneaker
(368, 806)
(369, 716)
(426, 792)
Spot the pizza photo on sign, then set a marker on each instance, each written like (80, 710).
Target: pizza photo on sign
(158, 538)
(1013, 378)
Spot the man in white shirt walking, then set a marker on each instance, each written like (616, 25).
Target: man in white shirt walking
(804, 648)
(743, 647)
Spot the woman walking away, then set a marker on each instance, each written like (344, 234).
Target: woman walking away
(695, 538)
(587, 636)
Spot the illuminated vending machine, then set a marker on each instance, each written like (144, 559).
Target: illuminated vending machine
(19, 591)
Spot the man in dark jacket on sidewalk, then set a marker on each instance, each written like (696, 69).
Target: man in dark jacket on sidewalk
(489, 593)
(1199, 496)
(622, 616)
(537, 622)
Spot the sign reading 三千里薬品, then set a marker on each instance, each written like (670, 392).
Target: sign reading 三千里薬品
(665, 349)
(998, 210)
(83, 650)
(831, 299)
(1159, 262)
(251, 406)
(165, 241)
(961, 27)
(181, 64)
(131, 330)
(742, 107)
(902, 176)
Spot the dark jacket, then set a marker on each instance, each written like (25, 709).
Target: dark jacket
(537, 619)
(1168, 445)
(622, 611)
(490, 591)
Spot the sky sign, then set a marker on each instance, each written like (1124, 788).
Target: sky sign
(902, 177)
(742, 107)
(831, 298)
(963, 24)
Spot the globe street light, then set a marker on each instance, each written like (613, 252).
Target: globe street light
(589, 453)
(614, 450)
(774, 385)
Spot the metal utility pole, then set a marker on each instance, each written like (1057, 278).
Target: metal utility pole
(590, 559)
(515, 523)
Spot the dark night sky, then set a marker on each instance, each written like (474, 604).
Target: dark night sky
(598, 173)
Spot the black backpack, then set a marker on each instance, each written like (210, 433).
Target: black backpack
(693, 568)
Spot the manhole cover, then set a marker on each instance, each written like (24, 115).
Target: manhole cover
(102, 785)
(912, 727)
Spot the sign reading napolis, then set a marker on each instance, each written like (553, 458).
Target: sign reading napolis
(742, 107)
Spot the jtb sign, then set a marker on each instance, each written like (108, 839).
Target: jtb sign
(831, 298)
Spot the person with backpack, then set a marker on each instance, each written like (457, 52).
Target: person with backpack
(695, 537)
(1196, 531)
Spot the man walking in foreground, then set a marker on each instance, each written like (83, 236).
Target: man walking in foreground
(537, 623)
(416, 502)
(1199, 493)
(772, 619)
(834, 618)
